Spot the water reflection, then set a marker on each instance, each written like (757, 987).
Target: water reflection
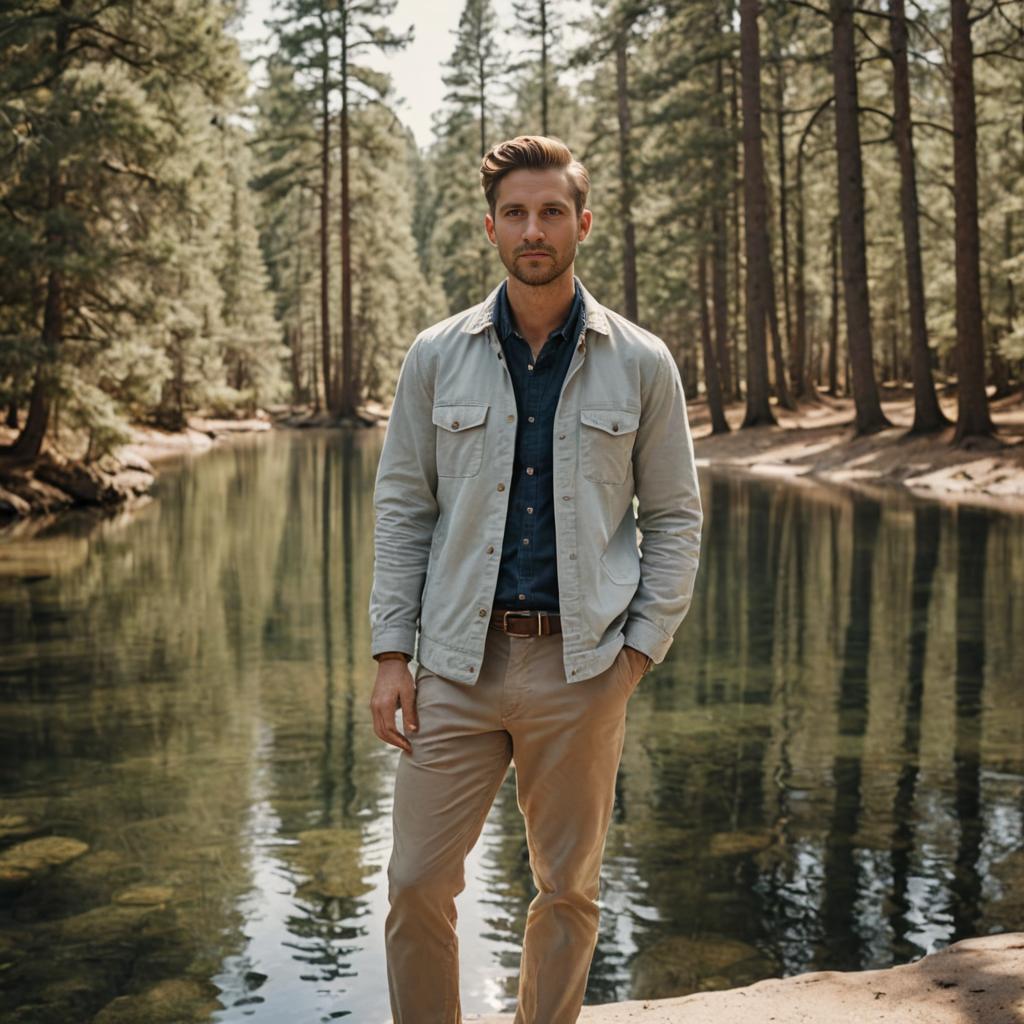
(826, 773)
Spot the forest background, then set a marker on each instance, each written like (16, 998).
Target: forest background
(798, 197)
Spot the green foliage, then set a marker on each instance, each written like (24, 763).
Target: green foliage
(117, 224)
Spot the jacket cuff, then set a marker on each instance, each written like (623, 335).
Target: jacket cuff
(649, 639)
(394, 638)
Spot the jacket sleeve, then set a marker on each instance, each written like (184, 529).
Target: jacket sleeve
(669, 515)
(405, 511)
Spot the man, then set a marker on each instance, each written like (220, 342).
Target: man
(505, 532)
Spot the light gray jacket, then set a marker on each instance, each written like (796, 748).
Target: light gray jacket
(443, 482)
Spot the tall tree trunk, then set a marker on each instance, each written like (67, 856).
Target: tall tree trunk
(869, 416)
(972, 403)
(803, 379)
(346, 402)
(325, 204)
(780, 145)
(28, 444)
(759, 410)
(719, 239)
(712, 384)
(928, 415)
(785, 399)
(629, 284)
(833, 323)
(544, 67)
(798, 370)
(737, 247)
(299, 336)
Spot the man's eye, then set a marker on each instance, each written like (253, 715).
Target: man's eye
(554, 209)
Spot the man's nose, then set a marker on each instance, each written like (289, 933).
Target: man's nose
(533, 230)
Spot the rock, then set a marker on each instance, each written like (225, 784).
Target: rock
(89, 484)
(133, 460)
(27, 860)
(12, 504)
(678, 966)
(15, 826)
(174, 1001)
(40, 496)
(144, 896)
(104, 929)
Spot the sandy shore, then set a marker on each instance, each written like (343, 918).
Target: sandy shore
(977, 981)
(818, 443)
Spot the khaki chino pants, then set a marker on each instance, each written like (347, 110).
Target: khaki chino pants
(566, 742)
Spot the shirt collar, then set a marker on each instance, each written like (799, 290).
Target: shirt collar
(594, 316)
(572, 326)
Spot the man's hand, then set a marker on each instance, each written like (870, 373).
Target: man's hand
(394, 688)
(637, 663)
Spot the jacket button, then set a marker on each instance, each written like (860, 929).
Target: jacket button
(561, 437)
(572, 558)
(615, 426)
(472, 668)
(511, 418)
(501, 487)
(565, 497)
(482, 612)
(455, 424)
(490, 549)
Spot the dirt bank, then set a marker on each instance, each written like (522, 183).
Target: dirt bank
(818, 442)
(61, 479)
(977, 981)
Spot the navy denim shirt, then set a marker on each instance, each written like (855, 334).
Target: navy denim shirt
(528, 575)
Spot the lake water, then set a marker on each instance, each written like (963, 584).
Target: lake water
(827, 772)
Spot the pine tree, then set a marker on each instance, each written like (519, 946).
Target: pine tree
(359, 29)
(540, 22)
(91, 181)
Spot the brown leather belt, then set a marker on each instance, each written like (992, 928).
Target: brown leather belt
(523, 623)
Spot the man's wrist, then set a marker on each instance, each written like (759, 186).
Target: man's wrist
(391, 656)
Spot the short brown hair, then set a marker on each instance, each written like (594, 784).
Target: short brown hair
(536, 153)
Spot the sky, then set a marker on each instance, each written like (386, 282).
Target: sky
(416, 70)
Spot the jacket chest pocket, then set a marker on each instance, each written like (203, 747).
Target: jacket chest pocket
(606, 444)
(460, 438)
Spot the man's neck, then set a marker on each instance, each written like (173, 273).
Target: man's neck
(540, 309)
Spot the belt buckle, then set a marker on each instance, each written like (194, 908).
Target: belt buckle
(518, 614)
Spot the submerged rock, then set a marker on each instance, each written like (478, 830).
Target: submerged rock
(145, 895)
(678, 966)
(15, 826)
(175, 1001)
(25, 861)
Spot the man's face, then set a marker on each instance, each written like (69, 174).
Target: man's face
(535, 226)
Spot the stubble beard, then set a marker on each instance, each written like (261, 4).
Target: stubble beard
(545, 273)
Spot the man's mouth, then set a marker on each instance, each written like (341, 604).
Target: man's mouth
(533, 254)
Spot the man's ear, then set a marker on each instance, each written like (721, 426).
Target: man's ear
(489, 228)
(586, 220)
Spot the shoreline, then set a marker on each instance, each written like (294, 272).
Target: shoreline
(58, 481)
(817, 444)
(974, 981)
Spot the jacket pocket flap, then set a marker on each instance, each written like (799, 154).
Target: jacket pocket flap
(612, 421)
(459, 417)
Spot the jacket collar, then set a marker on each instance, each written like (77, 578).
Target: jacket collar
(596, 318)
